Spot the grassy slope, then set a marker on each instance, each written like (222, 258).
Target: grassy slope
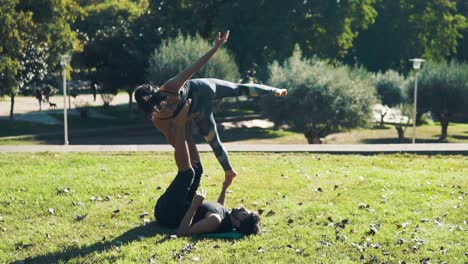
(298, 223)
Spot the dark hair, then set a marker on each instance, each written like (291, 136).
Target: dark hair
(148, 97)
(250, 225)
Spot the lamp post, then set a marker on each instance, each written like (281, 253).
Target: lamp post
(64, 61)
(416, 66)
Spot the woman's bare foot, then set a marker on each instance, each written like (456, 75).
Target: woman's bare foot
(229, 175)
(281, 92)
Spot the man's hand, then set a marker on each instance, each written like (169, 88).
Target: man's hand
(198, 198)
(181, 118)
(221, 40)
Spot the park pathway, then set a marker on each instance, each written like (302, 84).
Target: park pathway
(432, 148)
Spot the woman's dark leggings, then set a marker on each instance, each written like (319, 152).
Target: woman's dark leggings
(209, 89)
(171, 207)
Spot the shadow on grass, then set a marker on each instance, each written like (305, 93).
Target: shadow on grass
(236, 134)
(134, 234)
(398, 141)
(148, 134)
(460, 137)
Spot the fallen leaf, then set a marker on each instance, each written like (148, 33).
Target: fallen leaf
(270, 213)
(195, 258)
(48, 236)
(51, 211)
(401, 241)
(80, 217)
(142, 215)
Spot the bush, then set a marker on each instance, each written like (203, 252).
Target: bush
(443, 91)
(322, 98)
(107, 94)
(174, 55)
(389, 88)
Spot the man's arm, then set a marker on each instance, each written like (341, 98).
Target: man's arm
(175, 83)
(206, 225)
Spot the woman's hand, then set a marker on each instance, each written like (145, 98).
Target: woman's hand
(220, 40)
(198, 198)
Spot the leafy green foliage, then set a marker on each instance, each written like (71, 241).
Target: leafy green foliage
(389, 86)
(322, 98)
(443, 90)
(407, 29)
(176, 54)
(109, 44)
(14, 27)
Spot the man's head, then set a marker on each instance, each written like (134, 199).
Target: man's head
(148, 97)
(245, 222)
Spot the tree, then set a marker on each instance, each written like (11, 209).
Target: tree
(14, 27)
(443, 90)
(389, 87)
(175, 54)
(322, 98)
(111, 46)
(407, 29)
(264, 31)
(52, 19)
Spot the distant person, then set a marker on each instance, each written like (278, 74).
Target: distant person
(182, 207)
(165, 102)
(94, 88)
(39, 98)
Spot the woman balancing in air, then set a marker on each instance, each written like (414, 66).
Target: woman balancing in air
(166, 101)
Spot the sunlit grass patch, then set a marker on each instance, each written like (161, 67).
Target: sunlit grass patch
(95, 208)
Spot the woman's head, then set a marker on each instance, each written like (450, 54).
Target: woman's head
(148, 97)
(245, 222)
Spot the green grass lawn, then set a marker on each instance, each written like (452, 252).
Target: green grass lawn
(87, 208)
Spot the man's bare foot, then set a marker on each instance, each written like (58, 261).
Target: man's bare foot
(281, 92)
(229, 175)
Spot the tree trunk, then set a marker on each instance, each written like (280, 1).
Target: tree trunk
(12, 106)
(313, 136)
(130, 102)
(444, 122)
(400, 131)
(382, 118)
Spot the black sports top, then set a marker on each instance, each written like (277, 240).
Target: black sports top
(216, 208)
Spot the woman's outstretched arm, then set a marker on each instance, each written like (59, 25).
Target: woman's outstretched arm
(175, 83)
